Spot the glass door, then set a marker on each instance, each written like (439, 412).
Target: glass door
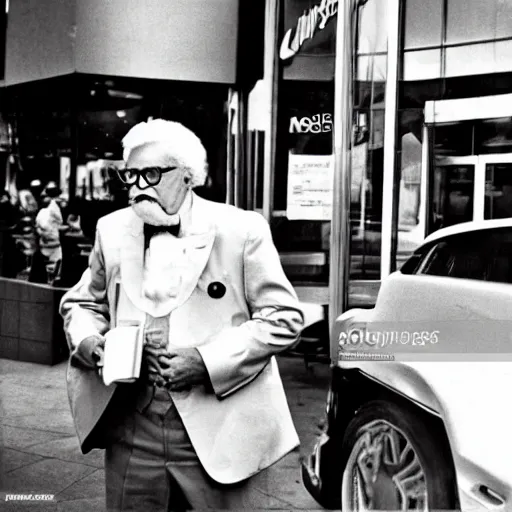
(452, 191)
(470, 188)
(497, 173)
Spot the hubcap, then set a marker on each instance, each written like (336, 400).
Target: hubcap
(383, 472)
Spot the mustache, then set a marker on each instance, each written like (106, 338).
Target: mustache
(142, 197)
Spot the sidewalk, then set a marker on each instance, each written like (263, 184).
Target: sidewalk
(41, 454)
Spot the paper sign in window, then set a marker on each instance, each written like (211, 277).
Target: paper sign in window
(310, 187)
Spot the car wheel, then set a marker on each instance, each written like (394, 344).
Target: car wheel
(393, 461)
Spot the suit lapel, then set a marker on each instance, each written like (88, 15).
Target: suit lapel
(198, 236)
(132, 259)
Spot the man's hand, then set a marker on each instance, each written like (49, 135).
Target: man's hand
(183, 368)
(89, 353)
(177, 369)
(99, 352)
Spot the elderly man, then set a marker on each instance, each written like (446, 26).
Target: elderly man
(204, 281)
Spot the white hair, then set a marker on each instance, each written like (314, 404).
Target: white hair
(182, 144)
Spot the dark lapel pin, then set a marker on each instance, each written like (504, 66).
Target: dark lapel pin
(216, 290)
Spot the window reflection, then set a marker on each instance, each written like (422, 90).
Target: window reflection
(422, 64)
(453, 139)
(305, 137)
(452, 195)
(371, 66)
(371, 36)
(498, 191)
(410, 226)
(72, 143)
(303, 171)
(423, 23)
(309, 56)
(493, 136)
(477, 39)
(504, 18)
(368, 151)
(471, 20)
(475, 59)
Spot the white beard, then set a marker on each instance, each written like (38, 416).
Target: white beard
(165, 264)
(152, 213)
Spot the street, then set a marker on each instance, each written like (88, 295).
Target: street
(41, 455)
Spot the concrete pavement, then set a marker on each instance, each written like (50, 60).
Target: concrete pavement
(40, 452)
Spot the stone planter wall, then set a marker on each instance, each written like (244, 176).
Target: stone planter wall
(31, 328)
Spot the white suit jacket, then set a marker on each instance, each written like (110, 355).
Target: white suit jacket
(245, 425)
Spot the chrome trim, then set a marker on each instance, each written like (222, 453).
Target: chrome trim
(389, 197)
(270, 79)
(230, 162)
(424, 182)
(488, 497)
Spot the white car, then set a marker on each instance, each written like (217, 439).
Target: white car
(423, 421)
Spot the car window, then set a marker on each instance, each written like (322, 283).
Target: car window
(414, 261)
(481, 255)
(461, 256)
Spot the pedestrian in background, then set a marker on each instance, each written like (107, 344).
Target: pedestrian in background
(10, 263)
(48, 224)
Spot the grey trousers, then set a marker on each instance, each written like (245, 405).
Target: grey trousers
(151, 466)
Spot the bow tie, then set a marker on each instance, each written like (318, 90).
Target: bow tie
(150, 231)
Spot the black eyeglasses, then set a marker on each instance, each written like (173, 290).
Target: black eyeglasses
(151, 175)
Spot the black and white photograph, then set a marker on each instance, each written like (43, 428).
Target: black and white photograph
(253, 255)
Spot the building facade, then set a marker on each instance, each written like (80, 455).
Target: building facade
(356, 128)
(390, 119)
(78, 74)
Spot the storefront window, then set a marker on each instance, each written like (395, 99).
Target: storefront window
(452, 195)
(479, 59)
(454, 139)
(493, 136)
(456, 38)
(367, 157)
(423, 30)
(498, 191)
(410, 229)
(304, 162)
(63, 151)
(422, 65)
(423, 24)
(474, 20)
(452, 49)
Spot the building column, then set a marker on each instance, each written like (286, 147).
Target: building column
(340, 223)
(389, 198)
(270, 85)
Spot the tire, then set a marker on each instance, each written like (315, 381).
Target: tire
(391, 457)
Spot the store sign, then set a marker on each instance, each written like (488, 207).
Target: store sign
(319, 123)
(308, 25)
